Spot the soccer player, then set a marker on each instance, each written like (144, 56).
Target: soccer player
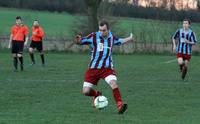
(186, 38)
(18, 38)
(36, 42)
(101, 65)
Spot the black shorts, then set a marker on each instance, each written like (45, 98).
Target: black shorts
(37, 45)
(17, 47)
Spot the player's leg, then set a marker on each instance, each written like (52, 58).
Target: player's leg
(112, 81)
(42, 58)
(20, 54)
(14, 54)
(91, 78)
(40, 50)
(185, 69)
(31, 48)
(20, 57)
(181, 63)
(89, 91)
(15, 61)
(31, 56)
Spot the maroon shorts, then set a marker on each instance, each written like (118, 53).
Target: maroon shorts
(184, 56)
(94, 75)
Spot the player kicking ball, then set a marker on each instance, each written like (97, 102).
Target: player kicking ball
(186, 39)
(101, 66)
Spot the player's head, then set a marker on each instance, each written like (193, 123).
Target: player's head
(18, 20)
(104, 28)
(35, 23)
(186, 23)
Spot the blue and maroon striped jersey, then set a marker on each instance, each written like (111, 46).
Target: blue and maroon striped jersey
(182, 47)
(101, 49)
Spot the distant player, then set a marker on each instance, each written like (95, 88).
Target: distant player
(186, 38)
(101, 65)
(18, 38)
(36, 42)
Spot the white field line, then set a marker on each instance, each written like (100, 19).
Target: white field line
(170, 61)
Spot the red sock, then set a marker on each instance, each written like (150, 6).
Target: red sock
(93, 93)
(117, 97)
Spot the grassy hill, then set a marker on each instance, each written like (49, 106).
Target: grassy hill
(62, 25)
(54, 24)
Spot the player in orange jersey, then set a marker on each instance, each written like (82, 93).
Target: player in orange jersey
(36, 42)
(18, 38)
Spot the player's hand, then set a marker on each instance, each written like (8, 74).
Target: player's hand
(78, 38)
(185, 40)
(34, 33)
(131, 36)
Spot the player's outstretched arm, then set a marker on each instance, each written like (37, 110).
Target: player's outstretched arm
(84, 40)
(130, 38)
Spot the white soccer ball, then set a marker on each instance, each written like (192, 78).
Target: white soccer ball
(100, 102)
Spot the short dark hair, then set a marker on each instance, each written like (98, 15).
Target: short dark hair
(188, 20)
(19, 17)
(104, 22)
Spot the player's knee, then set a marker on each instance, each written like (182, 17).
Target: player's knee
(112, 81)
(19, 55)
(186, 64)
(30, 50)
(113, 84)
(86, 91)
(180, 62)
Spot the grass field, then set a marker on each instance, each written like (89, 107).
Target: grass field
(54, 24)
(62, 25)
(52, 95)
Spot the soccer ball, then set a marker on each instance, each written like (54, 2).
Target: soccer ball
(100, 102)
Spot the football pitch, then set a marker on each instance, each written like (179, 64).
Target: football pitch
(150, 84)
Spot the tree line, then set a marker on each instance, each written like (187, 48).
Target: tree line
(118, 8)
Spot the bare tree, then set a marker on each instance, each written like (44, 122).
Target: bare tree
(198, 4)
(164, 4)
(92, 10)
(135, 2)
(172, 5)
(119, 1)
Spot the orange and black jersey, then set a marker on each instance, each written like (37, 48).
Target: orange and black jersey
(19, 32)
(37, 34)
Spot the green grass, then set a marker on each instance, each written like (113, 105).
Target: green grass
(54, 24)
(148, 30)
(62, 25)
(52, 95)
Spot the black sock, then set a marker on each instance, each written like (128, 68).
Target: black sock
(15, 62)
(184, 72)
(32, 58)
(21, 63)
(181, 67)
(42, 58)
